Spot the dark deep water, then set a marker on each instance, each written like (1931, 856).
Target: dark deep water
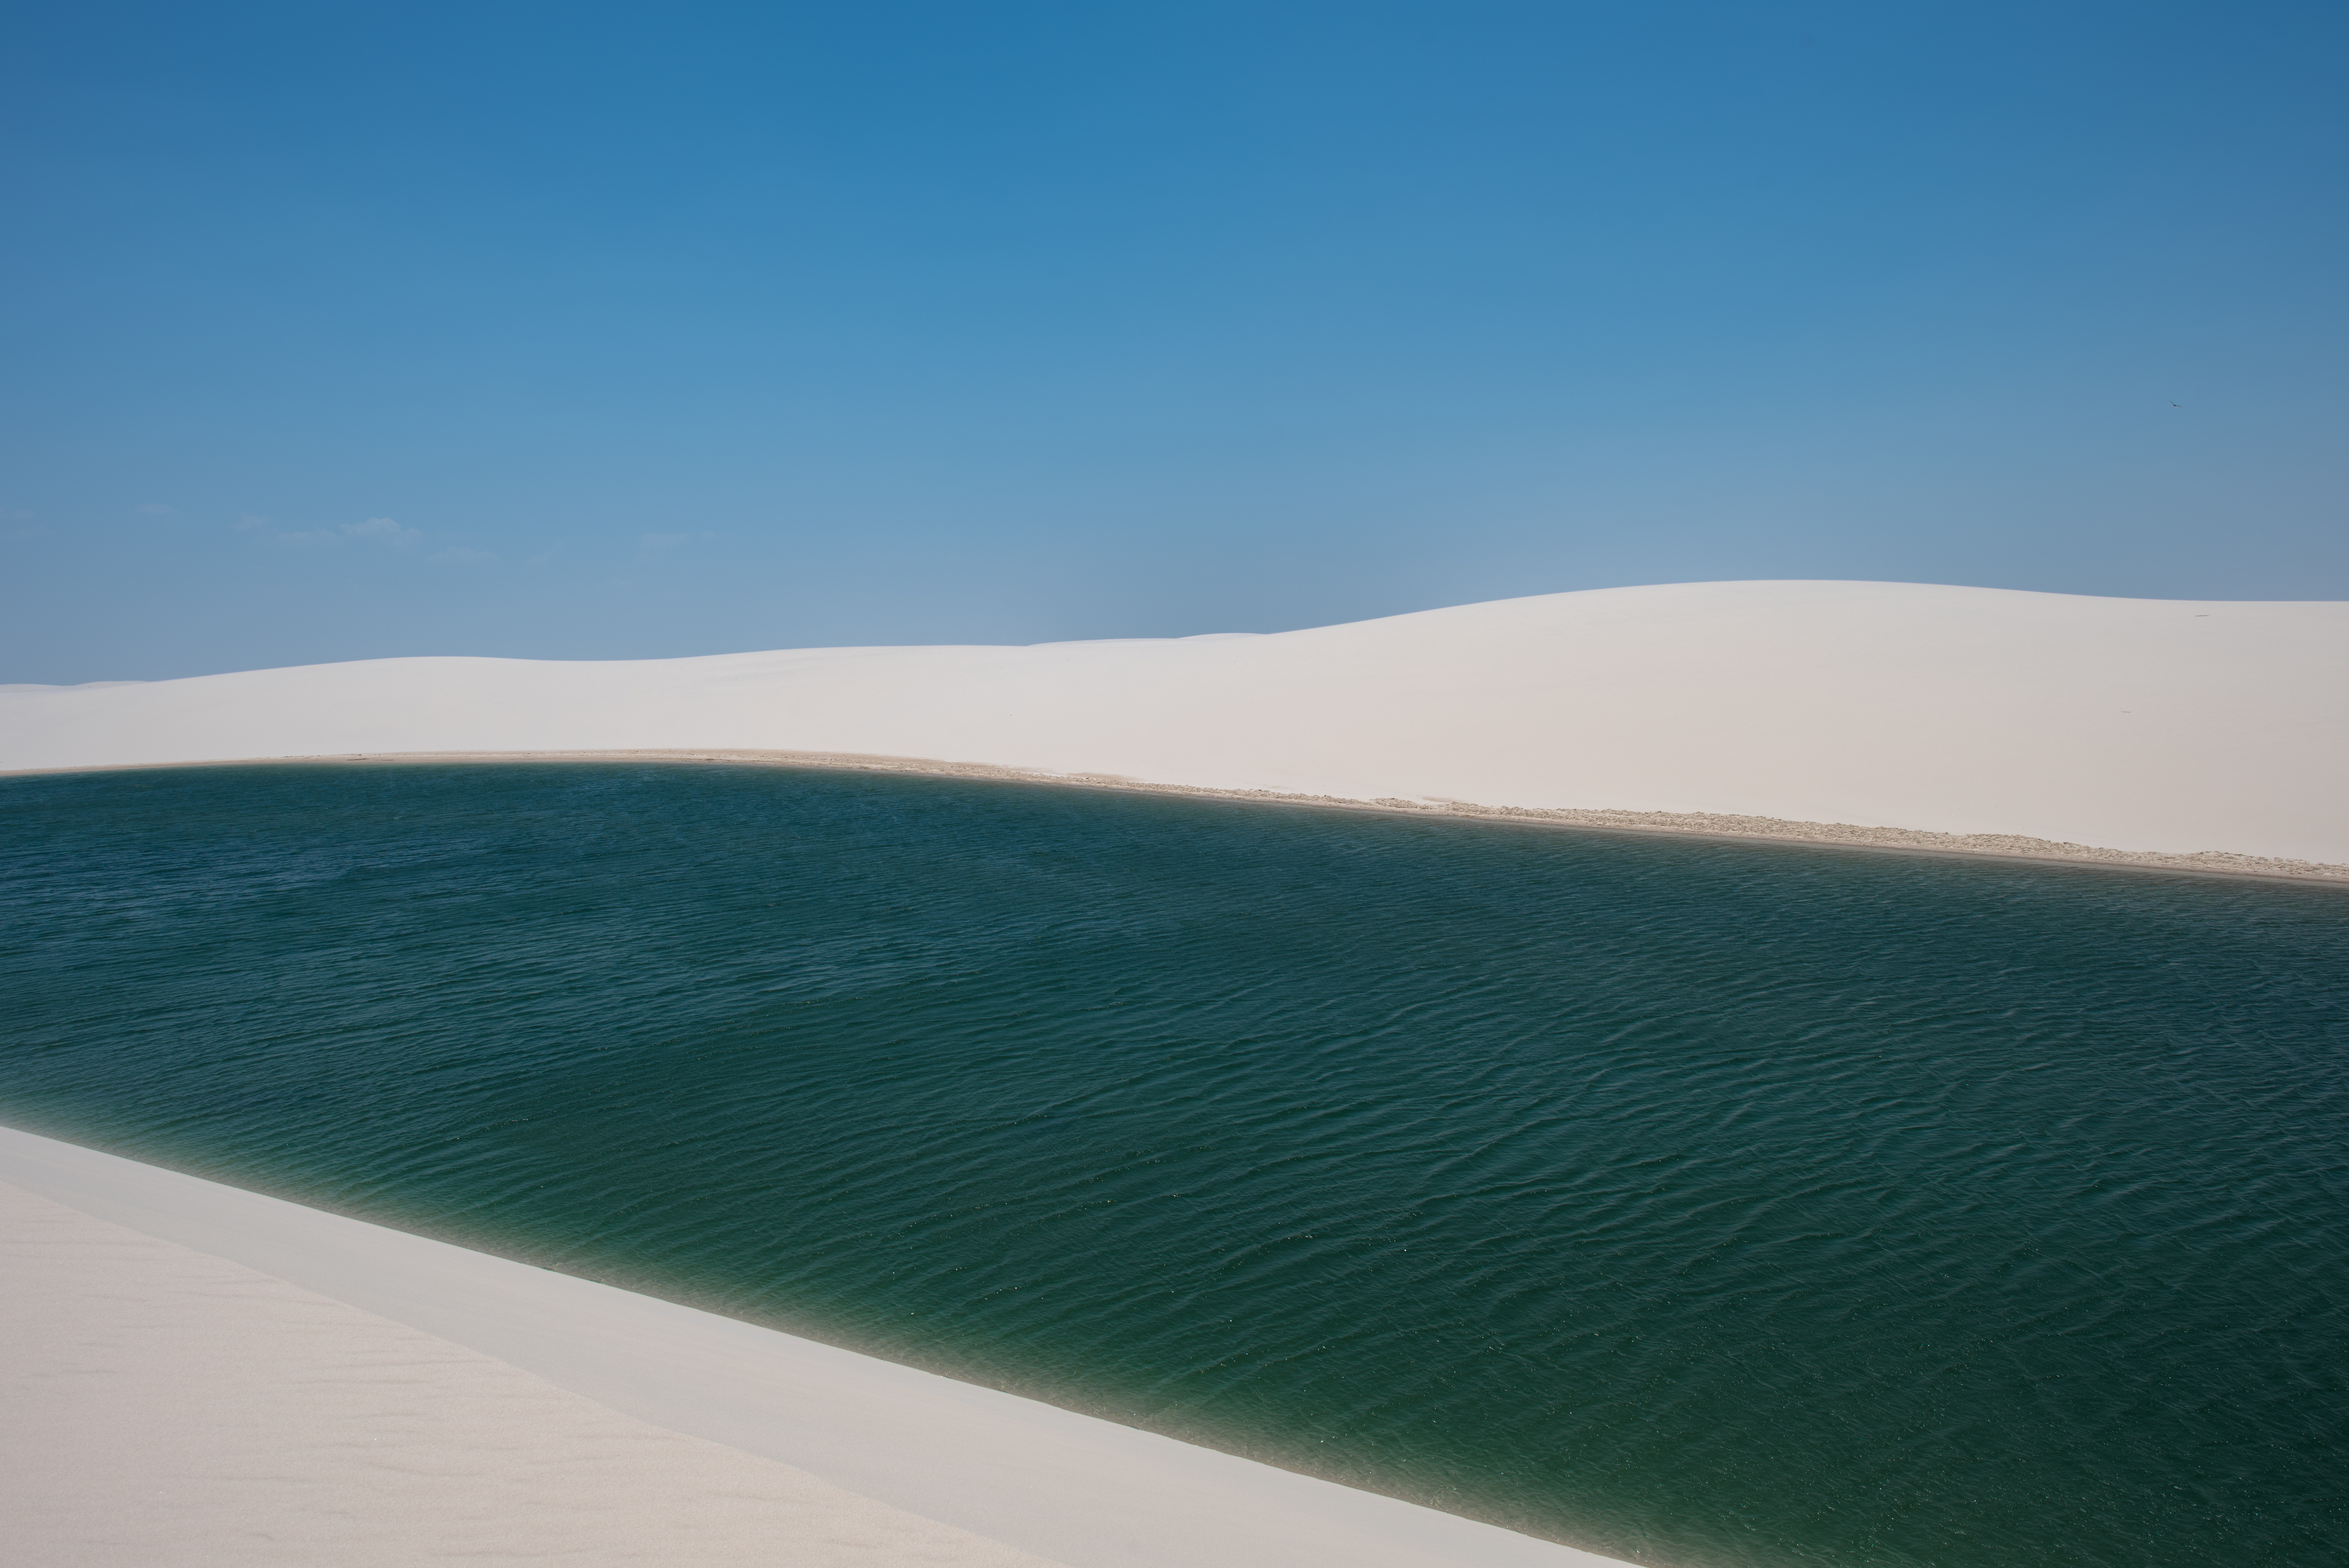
(1702, 1203)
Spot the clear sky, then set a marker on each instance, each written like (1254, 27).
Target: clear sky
(584, 330)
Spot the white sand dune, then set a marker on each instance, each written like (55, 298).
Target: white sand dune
(196, 1374)
(2124, 724)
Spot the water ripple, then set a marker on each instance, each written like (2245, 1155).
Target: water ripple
(1707, 1204)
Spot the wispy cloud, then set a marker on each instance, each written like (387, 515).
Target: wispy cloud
(373, 530)
(384, 530)
(262, 529)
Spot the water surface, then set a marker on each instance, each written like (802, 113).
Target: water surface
(1699, 1203)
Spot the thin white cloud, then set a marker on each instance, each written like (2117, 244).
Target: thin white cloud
(384, 530)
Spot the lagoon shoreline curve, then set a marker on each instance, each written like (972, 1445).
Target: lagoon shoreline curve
(1698, 825)
(2188, 735)
(911, 1464)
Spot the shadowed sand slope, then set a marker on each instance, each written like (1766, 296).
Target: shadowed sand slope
(2147, 724)
(194, 1374)
(170, 1408)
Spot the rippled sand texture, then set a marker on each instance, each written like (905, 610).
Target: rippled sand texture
(1693, 1202)
(166, 1408)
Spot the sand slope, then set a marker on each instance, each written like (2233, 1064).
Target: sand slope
(193, 1374)
(2129, 724)
(165, 1407)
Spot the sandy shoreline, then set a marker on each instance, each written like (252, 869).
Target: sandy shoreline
(2176, 736)
(167, 1406)
(817, 1455)
(1682, 824)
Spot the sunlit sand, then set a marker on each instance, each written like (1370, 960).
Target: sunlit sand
(1836, 710)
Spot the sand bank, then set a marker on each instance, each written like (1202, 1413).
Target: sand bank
(1701, 825)
(198, 1374)
(166, 1406)
(1950, 719)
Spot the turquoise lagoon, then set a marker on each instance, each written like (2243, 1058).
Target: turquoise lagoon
(1703, 1204)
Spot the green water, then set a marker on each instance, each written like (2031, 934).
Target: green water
(1700, 1204)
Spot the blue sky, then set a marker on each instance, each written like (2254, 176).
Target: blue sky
(588, 331)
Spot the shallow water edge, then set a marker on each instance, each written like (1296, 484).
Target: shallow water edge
(1703, 825)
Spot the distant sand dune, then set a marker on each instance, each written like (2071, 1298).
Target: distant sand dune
(2207, 736)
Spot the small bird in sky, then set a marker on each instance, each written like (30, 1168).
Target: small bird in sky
(2178, 405)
